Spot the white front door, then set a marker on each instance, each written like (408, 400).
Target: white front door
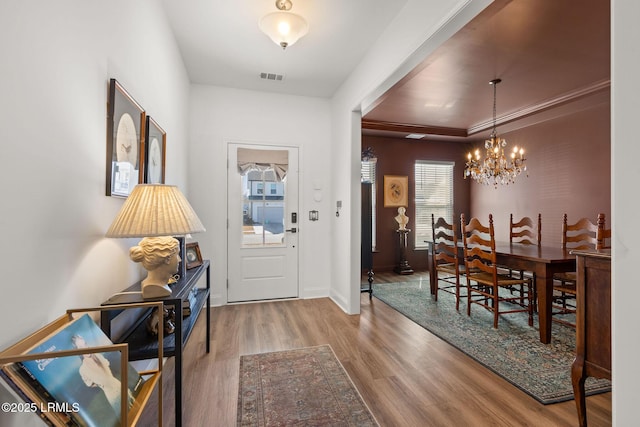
(262, 234)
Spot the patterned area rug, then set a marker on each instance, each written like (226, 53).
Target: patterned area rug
(513, 351)
(306, 386)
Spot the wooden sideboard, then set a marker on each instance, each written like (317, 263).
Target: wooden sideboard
(593, 323)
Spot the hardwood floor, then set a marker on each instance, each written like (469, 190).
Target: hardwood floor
(406, 375)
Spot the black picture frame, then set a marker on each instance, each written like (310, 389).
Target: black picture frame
(125, 141)
(155, 152)
(192, 255)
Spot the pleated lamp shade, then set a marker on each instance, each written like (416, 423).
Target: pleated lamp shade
(155, 210)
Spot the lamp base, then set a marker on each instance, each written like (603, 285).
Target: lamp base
(153, 290)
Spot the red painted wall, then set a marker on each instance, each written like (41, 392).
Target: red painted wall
(396, 156)
(569, 162)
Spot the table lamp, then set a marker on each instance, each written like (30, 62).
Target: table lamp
(156, 210)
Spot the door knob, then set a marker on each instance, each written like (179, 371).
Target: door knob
(292, 230)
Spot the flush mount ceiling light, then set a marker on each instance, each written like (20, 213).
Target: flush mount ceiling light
(284, 27)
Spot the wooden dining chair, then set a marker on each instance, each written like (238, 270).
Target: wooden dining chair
(445, 258)
(583, 234)
(525, 232)
(485, 285)
(603, 236)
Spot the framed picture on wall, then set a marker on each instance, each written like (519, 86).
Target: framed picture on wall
(155, 152)
(125, 141)
(192, 255)
(396, 189)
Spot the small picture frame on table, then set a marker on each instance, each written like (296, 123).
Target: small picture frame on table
(192, 255)
(155, 152)
(125, 141)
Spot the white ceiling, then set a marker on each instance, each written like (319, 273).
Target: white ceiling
(221, 44)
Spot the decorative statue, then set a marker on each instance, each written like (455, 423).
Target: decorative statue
(159, 256)
(401, 218)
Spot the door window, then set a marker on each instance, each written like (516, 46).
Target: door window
(263, 196)
(262, 211)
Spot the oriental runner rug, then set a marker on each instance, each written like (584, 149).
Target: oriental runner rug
(513, 351)
(302, 387)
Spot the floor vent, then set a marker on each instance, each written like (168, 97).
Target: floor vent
(272, 76)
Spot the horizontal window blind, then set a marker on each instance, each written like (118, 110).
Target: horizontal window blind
(433, 195)
(368, 174)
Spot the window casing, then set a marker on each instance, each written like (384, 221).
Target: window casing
(433, 195)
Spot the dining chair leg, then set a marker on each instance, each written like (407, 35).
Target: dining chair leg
(530, 303)
(534, 289)
(496, 308)
(468, 297)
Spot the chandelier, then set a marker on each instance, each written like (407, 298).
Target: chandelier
(284, 27)
(495, 167)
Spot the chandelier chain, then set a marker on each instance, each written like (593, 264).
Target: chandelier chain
(493, 132)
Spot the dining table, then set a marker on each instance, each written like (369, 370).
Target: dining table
(544, 261)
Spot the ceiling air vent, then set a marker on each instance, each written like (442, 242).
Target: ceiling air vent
(272, 77)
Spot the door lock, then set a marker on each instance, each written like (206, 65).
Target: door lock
(292, 230)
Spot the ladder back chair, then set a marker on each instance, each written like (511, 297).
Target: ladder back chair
(583, 234)
(603, 236)
(445, 258)
(480, 262)
(526, 232)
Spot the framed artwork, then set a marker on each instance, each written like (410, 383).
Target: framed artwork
(396, 189)
(192, 255)
(155, 149)
(125, 141)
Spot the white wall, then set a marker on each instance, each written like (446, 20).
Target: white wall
(625, 108)
(57, 58)
(223, 115)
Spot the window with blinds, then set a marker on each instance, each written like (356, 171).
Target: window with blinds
(433, 195)
(368, 174)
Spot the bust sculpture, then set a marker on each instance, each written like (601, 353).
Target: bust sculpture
(159, 256)
(401, 218)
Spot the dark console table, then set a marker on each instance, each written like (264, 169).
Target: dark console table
(142, 344)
